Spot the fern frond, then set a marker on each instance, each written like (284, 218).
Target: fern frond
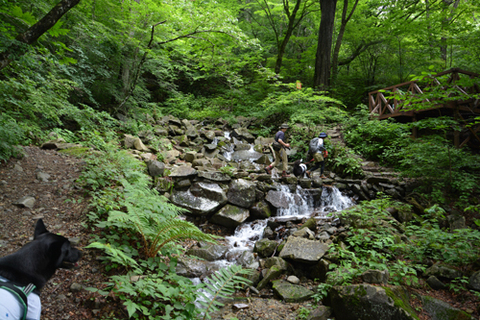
(222, 284)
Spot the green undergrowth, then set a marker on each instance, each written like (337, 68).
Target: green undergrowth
(376, 240)
(139, 233)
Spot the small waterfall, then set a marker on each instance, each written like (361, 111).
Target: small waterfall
(246, 235)
(299, 203)
(332, 200)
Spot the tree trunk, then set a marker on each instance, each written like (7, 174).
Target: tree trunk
(321, 78)
(338, 43)
(35, 31)
(288, 34)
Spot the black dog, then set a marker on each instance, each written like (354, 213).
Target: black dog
(34, 264)
(299, 168)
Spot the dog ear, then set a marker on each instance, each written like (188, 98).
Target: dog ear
(39, 228)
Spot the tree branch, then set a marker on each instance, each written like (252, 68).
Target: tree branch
(35, 31)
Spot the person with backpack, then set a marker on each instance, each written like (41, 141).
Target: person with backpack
(318, 153)
(279, 147)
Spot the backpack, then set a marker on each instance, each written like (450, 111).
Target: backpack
(314, 146)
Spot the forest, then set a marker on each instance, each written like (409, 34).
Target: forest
(93, 72)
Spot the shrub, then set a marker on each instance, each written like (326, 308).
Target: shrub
(11, 135)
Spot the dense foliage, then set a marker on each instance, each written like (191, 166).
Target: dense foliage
(109, 67)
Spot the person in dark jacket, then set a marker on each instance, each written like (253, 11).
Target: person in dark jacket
(279, 147)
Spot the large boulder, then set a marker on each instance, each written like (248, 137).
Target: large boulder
(290, 292)
(261, 210)
(440, 310)
(230, 216)
(156, 168)
(303, 250)
(241, 193)
(196, 205)
(474, 281)
(210, 252)
(440, 270)
(272, 273)
(210, 191)
(214, 176)
(183, 172)
(193, 268)
(277, 199)
(366, 302)
(265, 247)
(243, 133)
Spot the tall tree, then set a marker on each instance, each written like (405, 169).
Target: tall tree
(321, 78)
(338, 43)
(35, 31)
(283, 19)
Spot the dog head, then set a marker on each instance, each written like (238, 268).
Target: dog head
(59, 249)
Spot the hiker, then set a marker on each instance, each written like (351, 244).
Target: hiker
(318, 153)
(279, 146)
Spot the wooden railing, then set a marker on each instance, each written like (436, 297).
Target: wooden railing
(382, 105)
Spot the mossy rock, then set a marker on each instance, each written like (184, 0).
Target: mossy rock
(79, 152)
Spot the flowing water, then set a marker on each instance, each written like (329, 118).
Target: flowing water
(301, 204)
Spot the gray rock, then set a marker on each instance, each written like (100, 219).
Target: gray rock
(242, 146)
(303, 250)
(190, 156)
(183, 172)
(304, 233)
(193, 268)
(293, 279)
(183, 184)
(210, 252)
(474, 281)
(210, 191)
(245, 134)
(42, 176)
(18, 167)
(272, 273)
(241, 193)
(138, 145)
(320, 313)
(277, 199)
(442, 271)
(261, 210)
(155, 168)
(196, 205)
(276, 261)
(291, 292)
(210, 147)
(435, 284)
(440, 310)
(25, 202)
(230, 216)
(375, 276)
(210, 135)
(366, 302)
(248, 260)
(456, 221)
(265, 247)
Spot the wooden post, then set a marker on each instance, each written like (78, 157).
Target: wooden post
(414, 129)
(456, 134)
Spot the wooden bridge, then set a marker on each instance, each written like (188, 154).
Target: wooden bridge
(415, 100)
